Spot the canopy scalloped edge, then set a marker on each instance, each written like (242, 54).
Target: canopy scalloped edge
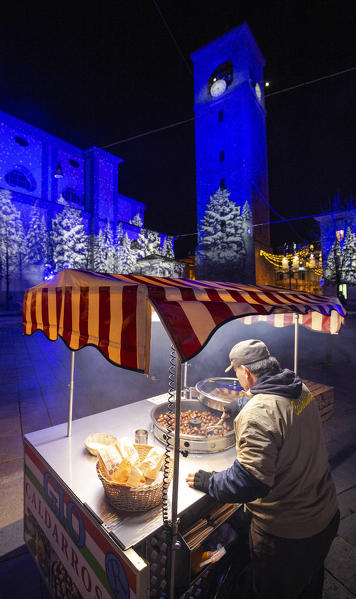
(113, 312)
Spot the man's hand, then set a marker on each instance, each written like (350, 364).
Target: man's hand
(232, 409)
(199, 480)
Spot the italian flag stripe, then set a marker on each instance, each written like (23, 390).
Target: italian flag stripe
(96, 544)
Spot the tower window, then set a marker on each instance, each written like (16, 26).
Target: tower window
(134, 245)
(74, 163)
(221, 116)
(222, 184)
(71, 196)
(222, 156)
(21, 178)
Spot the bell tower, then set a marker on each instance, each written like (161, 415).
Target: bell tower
(231, 156)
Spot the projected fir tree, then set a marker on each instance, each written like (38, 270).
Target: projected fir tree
(247, 218)
(37, 238)
(334, 266)
(223, 232)
(68, 240)
(99, 252)
(105, 259)
(119, 252)
(137, 221)
(10, 243)
(22, 250)
(167, 250)
(129, 256)
(149, 243)
(348, 271)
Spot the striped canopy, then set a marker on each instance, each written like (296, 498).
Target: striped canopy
(113, 312)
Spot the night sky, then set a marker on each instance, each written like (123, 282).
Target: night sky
(94, 76)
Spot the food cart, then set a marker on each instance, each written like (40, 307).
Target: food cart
(82, 545)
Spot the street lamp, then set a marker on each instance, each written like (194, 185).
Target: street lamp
(338, 264)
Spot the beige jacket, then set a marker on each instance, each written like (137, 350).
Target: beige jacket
(280, 442)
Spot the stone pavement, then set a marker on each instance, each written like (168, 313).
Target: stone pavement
(34, 375)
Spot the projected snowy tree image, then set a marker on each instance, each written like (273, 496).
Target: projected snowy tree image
(105, 256)
(37, 238)
(149, 243)
(137, 221)
(341, 261)
(167, 250)
(30, 251)
(225, 236)
(12, 241)
(129, 256)
(68, 240)
(348, 273)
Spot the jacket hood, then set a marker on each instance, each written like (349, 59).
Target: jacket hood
(284, 383)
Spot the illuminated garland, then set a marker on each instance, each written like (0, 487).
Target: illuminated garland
(286, 261)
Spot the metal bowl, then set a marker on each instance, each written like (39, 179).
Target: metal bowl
(192, 443)
(216, 393)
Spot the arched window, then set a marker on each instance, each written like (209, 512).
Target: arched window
(73, 163)
(71, 196)
(135, 245)
(21, 177)
(21, 141)
(222, 156)
(223, 71)
(221, 116)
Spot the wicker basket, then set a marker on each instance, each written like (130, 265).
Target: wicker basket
(130, 499)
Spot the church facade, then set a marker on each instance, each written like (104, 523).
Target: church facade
(48, 186)
(38, 167)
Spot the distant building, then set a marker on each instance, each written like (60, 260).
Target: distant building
(231, 158)
(338, 245)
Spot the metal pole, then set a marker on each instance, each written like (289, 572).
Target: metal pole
(296, 332)
(185, 380)
(71, 387)
(175, 478)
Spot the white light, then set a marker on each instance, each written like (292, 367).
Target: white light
(266, 83)
(285, 262)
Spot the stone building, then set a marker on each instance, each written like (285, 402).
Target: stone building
(40, 170)
(231, 157)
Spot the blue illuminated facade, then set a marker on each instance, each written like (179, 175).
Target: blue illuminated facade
(230, 140)
(29, 159)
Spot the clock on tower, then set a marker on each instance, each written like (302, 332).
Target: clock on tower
(231, 158)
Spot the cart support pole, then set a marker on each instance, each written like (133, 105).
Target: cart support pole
(296, 332)
(71, 387)
(185, 374)
(175, 479)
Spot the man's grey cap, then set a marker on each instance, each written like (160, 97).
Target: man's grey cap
(247, 352)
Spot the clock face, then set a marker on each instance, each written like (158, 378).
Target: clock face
(218, 88)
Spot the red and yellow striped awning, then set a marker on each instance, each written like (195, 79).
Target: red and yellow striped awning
(113, 312)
